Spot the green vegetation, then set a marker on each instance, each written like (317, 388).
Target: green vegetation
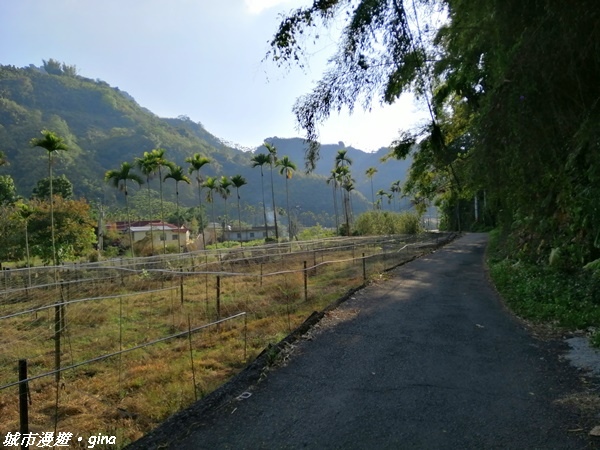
(52, 143)
(387, 223)
(28, 229)
(544, 294)
(315, 232)
(8, 191)
(60, 186)
(103, 127)
(512, 139)
(140, 306)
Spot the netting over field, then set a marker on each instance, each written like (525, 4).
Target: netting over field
(122, 344)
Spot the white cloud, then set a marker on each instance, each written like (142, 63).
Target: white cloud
(258, 6)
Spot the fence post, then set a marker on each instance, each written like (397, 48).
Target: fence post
(23, 405)
(305, 273)
(246, 337)
(121, 273)
(181, 285)
(192, 357)
(364, 264)
(218, 301)
(57, 324)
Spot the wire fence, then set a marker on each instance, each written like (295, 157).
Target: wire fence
(118, 346)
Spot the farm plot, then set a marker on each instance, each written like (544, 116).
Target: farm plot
(119, 347)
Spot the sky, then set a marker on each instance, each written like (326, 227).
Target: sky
(204, 59)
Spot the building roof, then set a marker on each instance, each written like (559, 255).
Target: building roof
(246, 230)
(149, 225)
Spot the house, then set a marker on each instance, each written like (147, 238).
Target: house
(248, 234)
(159, 231)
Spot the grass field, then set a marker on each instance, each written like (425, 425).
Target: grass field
(99, 312)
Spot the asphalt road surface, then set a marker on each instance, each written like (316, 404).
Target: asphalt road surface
(426, 358)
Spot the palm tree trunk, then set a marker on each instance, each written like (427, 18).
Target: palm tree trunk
(335, 208)
(214, 223)
(239, 216)
(178, 217)
(372, 193)
(346, 210)
(225, 219)
(151, 227)
(287, 205)
(201, 224)
(262, 185)
(162, 213)
(54, 261)
(129, 219)
(274, 207)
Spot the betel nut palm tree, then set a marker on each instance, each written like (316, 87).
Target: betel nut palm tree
(259, 160)
(287, 168)
(118, 178)
(197, 162)
(370, 172)
(396, 190)
(272, 161)
(381, 193)
(224, 185)
(237, 181)
(156, 160)
(343, 177)
(211, 184)
(147, 166)
(52, 143)
(176, 174)
(334, 183)
(342, 166)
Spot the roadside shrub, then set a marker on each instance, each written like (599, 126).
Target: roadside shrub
(543, 293)
(386, 222)
(316, 232)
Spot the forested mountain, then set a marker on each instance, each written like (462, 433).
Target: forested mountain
(104, 126)
(387, 172)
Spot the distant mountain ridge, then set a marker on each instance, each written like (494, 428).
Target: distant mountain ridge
(387, 173)
(104, 126)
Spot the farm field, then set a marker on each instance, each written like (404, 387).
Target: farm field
(117, 346)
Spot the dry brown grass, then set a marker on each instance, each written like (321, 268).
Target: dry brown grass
(130, 394)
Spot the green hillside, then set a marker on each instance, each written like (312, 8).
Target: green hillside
(104, 126)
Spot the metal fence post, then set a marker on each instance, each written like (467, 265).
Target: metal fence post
(181, 284)
(305, 273)
(23, 405)
(364, 264)
(218, 301)
(57, 324)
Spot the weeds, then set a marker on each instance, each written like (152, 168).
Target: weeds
(544, 294)
(134, 393)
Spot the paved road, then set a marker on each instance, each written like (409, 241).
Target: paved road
(428, 359)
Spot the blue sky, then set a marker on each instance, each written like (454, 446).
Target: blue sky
(199, 58)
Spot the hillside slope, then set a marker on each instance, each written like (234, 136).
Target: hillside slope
(104, 126)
